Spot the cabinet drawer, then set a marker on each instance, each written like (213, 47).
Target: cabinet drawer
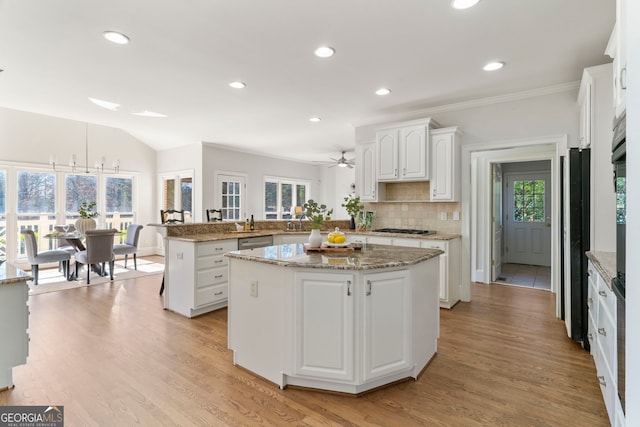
(592, 291)
(434, 244)
(216, 248)
(413, 243)
(212, 276)
(606, 298)
(609, 392)
(211, 294)
(205, 262)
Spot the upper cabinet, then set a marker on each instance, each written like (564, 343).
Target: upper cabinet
(403, 151)
(617, 50)
(445, 164)
(367, 181)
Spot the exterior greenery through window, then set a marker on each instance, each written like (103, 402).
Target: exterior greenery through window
(528, 201)
(282, 196)
(231, 194)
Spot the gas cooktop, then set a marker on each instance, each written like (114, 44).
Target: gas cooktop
(403, 231)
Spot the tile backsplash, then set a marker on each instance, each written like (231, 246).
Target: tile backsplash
(414, 214)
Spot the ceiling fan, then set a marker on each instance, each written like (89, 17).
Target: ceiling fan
(342, 162)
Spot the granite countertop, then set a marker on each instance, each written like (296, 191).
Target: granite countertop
(10, 274)
(605, 264)
(369, 257)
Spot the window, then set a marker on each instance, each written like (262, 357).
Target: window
(118, 210)
(528, 201)
(78, 189)
(282, 195)
(177, 193)
(36, 206)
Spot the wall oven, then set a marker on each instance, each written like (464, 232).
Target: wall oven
(619, 160)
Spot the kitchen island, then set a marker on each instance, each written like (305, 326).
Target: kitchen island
(339, 321)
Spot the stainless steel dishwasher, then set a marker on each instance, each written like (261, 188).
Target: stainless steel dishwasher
(255, 242)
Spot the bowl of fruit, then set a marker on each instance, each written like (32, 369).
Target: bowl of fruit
(336, 239)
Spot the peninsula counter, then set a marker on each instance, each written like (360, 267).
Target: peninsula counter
(346, 322)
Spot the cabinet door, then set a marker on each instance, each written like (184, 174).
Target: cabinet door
(387, 154)
(442, 178)
(444, 266)
(414, 153)
(387, 323)
(585, 113)
(367, 168)
(323, 330)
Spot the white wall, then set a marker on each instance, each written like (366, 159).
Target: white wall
(337, 184)
(32, 138)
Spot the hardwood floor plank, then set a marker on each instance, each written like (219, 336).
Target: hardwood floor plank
(112, 356)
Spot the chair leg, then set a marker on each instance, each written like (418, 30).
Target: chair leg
(111, 269)
(34, 271)
(135, 262)
(162, 286)
(125, 260)
(75, 276)
(88, 274)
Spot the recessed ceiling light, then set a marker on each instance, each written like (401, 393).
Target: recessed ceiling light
(463, 4)
(492, 66)
(116, 37)
(237, 85)
(105, 104)
(315, 119)
(383, 91)
(324, 51)
(146, 113)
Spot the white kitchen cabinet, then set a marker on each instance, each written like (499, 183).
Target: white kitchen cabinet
(602, 309)
(445, 164)
(449, 270)
(14, 322)
(196, 279)
(616, 49)
(403, 151)
(584, 103)
(367, 178)
(323, 325)
(387, 323)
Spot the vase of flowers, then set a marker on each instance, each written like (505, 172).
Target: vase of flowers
(317, 214)
(87, 212)
(353, 208)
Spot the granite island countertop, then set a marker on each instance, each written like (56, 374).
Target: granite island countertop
(605, 265)
(370, 257)
(10, 274)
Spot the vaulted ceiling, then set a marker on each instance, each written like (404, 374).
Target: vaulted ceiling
(183, 54)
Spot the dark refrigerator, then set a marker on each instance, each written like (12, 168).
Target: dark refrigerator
(577, 227)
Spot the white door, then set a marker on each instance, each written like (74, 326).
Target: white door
(230, 196)
(496, 222)
(528, 219)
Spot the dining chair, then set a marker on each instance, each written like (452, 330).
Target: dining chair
(172, 216)
(211, 217)
(64, 245)
(130, 246)
(36, 258)
(99, 250)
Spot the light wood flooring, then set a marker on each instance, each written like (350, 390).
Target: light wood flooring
(113, 357)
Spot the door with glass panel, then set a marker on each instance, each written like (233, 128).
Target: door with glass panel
(177, 193)
(528, 219)
(231, 197)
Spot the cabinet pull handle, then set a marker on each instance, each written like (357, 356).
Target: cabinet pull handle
(217, 276)
(434, 193)
(590, 335)
(623, 78)
(602, 293)
(218, 261)
(368, 288)
(218, 293)
(404, 171)
(602, 381)
(602, 332)
(348, 288)
(395, 172)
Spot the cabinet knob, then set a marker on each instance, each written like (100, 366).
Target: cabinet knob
(602, 293)
(589, 301)
(602, 381)
(602, 332)
(433, 193)
(395, 172)
(590, 336)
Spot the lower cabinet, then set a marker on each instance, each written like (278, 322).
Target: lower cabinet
(14, 322)
(196, 279)
(602, 337)
(326, 329)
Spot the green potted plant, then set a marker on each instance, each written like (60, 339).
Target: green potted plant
(353, 208)
(317, 214)
(87, 211)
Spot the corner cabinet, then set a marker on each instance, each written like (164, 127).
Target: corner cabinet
(367, 179)
(616, 49)
(445, 164)
(403, 151)
(196, 279)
